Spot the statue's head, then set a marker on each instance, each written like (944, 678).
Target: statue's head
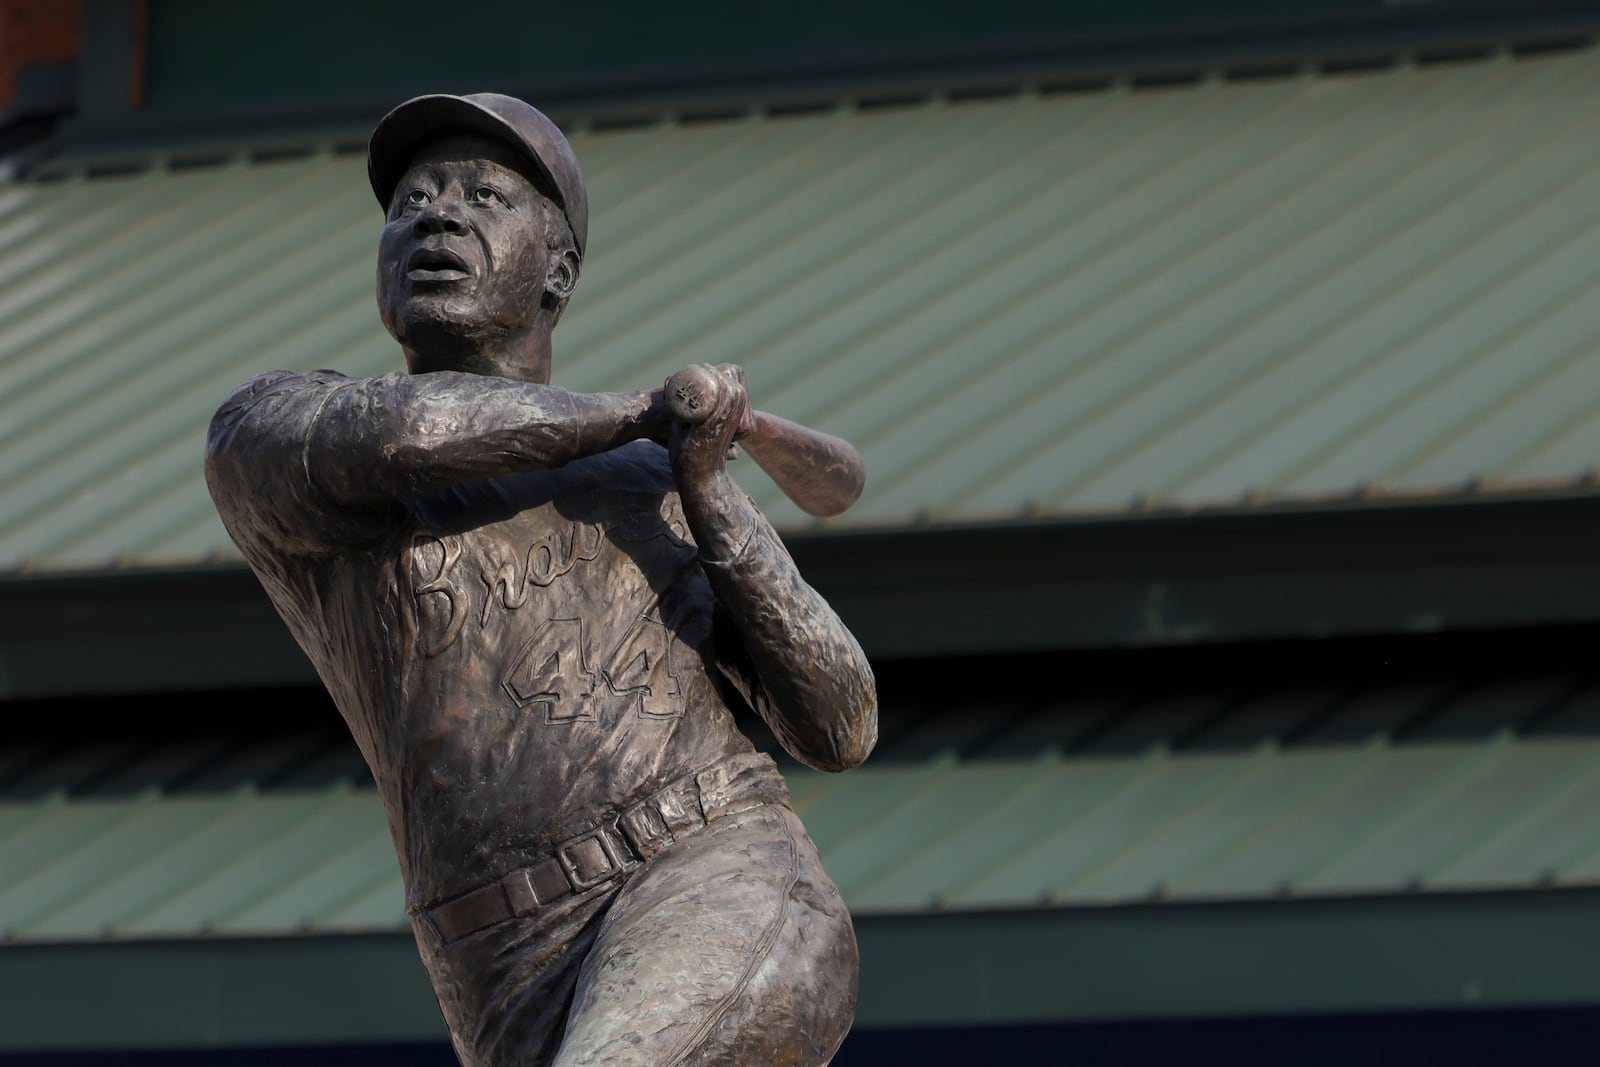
(486, 224)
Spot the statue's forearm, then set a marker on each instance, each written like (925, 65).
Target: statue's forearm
(821, 698)
(407, 435)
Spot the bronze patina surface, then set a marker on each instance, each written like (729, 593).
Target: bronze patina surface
(538, 612)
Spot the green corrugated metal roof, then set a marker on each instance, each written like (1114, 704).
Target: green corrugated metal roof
(1409, 782)
(1044, 304)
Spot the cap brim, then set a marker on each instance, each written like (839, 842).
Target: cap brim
(401, 133)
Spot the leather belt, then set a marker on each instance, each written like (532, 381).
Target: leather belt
(617, 845)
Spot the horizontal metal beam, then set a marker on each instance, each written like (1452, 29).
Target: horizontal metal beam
(1168, 43)
(1302, 957)
(1126, 582)
(1356, 569)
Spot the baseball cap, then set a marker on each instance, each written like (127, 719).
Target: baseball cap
(521, 126)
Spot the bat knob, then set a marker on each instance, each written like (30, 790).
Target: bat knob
(693, 393)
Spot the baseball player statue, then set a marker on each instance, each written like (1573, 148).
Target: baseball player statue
(538, 610)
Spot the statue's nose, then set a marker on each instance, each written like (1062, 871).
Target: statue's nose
(439, 217)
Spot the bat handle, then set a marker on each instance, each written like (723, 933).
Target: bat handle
(692, 394)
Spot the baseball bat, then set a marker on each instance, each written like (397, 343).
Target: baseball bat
(821, 473)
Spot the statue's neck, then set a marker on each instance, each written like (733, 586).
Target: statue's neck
(523, 358)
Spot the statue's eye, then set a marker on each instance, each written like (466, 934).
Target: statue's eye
(484, 196)
(416, 198)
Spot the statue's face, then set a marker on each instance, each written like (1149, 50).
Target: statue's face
(463, 261)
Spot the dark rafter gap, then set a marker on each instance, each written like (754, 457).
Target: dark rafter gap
(1120, 710)
(882, 103)
(1465, 54)
(135, 754)
(1076, 85)
(1185, 737)
(117, 169)
(1308, 732)
(290, 768)
(283, 154)
(624, 122)
(1261, 72)
(795, 109)
(983, 93)
(47, 753)
(1534, 47)
(1427, 713)
(1167, 79)
(184, 781)
(178, 164)
(1254, 691)
(1530, 723)
(1356, 65)
(731, 114)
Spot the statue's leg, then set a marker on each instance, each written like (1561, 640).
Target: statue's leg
(730, 947)
(505, 990)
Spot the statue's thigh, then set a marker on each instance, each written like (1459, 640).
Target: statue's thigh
(730, 947)
(504, 990)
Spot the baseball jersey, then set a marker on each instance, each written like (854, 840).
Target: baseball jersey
(517, 656)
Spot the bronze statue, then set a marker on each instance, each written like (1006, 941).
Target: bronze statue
(538, 610)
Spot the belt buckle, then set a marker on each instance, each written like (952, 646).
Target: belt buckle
(568, 856)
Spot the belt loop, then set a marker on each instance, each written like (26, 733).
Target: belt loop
(679, 806)
(645, 830)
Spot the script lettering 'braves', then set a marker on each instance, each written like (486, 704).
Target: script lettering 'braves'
(538, 611)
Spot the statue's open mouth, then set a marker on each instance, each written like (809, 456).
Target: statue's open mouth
(436, 265)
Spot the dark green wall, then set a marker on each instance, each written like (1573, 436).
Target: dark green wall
(203, 54)
(1426, 951)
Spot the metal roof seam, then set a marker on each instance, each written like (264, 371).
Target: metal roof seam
(1473, 762)
(153, 314)
(1397, 404)
(128, 223)
(1033, 289)
(265, 887)
(1201, 463)
(1546, 795)
(911, 217)
(30, 909)
(179, 476)
(1137, 772)
(781, 287)
(1554, 429)
(1066, 490)
(1047, 329)
(1194, 809)
(1034, 774)
(1318, 790)
(1470, 419)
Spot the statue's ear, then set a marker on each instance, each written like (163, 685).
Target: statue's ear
(561, 277)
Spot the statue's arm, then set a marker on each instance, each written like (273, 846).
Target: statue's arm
(400, 435)
(815, 688)
(306, 462)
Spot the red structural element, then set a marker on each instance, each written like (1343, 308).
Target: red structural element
(33, 33)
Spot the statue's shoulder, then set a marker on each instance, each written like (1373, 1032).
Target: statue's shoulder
(254, 462)
(278, 383)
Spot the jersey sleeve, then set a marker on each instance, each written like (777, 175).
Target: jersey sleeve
(794, 662)
(256, 469)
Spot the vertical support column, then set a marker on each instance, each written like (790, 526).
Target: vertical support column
(111, 70)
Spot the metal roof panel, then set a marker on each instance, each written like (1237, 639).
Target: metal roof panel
(1048, 304)
(1296, 786)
